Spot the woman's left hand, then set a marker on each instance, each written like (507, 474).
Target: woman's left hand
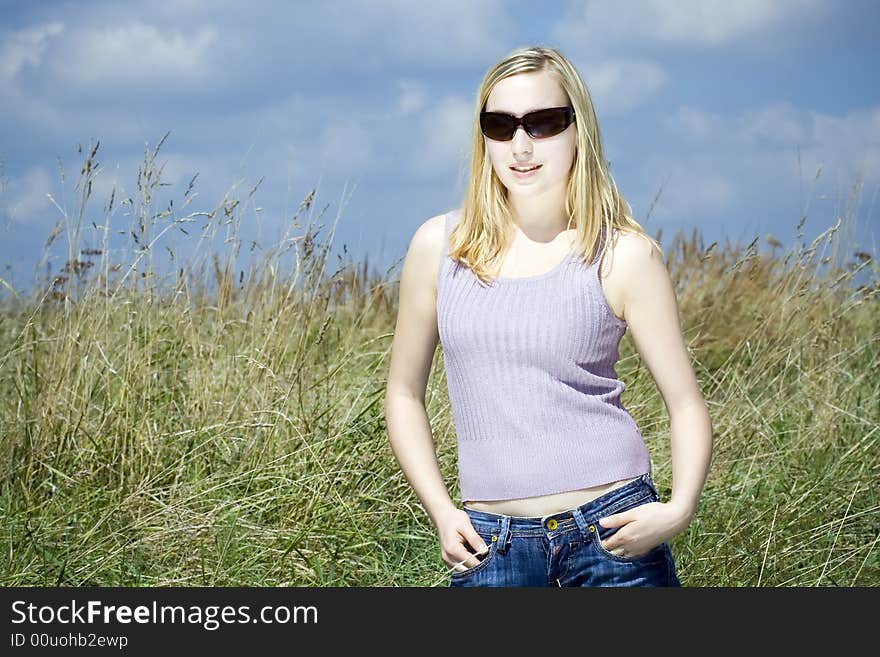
(643, 528)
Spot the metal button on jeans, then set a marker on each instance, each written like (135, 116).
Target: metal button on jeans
(566, 551)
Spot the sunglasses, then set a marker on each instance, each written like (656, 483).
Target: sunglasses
(538, 124)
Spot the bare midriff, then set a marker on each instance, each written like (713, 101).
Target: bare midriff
(542, 505)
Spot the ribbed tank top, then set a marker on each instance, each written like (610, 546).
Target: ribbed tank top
(530, 372)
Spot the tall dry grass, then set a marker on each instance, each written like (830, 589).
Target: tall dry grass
(223, 428)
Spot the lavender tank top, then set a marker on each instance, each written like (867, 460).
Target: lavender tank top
(530, 372)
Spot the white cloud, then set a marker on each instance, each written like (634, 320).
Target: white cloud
(17, 108)
(409, 134)
(621, 85)
(24, 197)
(840, 142)
(693, 185)
(175, 50)
(135, 54)
(25, 47)
(773, 124)
(100, 67)
(708, 23)
(345, 146)
(443, 140)
(847, 145)
(445, 34)
(724, 161)
(412, 96)
(780, 123)
(21, 50)
(695, 124)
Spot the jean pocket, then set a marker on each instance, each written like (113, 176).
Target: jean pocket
(491, 540)
(600, 533)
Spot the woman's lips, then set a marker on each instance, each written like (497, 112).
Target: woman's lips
(525, 174)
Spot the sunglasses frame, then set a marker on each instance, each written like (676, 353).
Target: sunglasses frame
(521, 121)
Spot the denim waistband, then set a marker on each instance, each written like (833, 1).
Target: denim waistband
(590, 512)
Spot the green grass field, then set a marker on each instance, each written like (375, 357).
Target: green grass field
(226, 428)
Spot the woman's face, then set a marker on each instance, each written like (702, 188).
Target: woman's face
(519, 95)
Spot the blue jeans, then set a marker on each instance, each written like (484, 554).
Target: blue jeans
(564, 549)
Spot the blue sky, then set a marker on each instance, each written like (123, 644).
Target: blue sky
(715, 115)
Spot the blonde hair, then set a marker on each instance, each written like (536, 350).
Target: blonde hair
(592, 203)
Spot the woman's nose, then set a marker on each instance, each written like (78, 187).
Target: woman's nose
(522, 143)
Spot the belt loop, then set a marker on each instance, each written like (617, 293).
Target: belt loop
(581, 522)
(504, 534)
(650, 482)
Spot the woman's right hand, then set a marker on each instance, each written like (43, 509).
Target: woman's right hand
(456, 533)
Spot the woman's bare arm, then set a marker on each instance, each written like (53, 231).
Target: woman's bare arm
(412, 352)
(651, 313)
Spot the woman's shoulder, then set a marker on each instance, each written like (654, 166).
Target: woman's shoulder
(429, 242)
(628, 250)
(431, 233)
(629, 256)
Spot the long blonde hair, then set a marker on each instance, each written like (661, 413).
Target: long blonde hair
(592, 203)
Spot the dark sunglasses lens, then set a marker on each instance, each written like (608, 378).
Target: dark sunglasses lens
(543, 123)
(496, 126)
(547, 123)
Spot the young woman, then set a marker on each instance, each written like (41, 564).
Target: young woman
(530, 298)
